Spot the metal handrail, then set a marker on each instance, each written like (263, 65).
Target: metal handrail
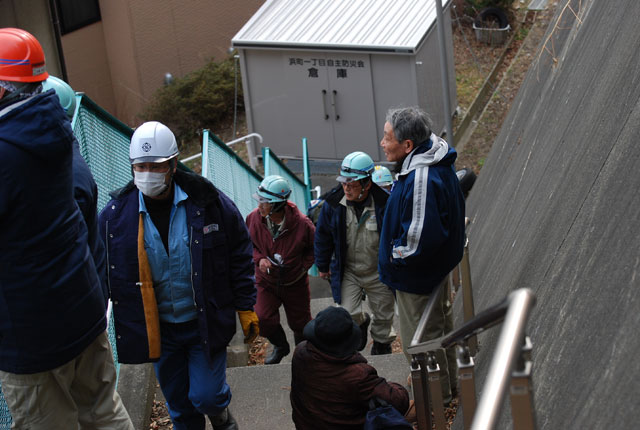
(484, 320)
(507, 353)
(428, 310)
(250, 149)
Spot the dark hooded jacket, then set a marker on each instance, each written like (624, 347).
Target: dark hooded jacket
(51, 302)
(422, 237)
(333, 393)
(294, 244)
(221, 267)
(330, 246)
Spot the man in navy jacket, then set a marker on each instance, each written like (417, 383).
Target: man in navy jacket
(422, 235)
(346, 250)
(179, 268)
(56, 365)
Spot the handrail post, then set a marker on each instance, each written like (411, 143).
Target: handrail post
(467, 296)
(507, 352)
(466, 376)
(435, 389)
(420, 392)
(522, 406)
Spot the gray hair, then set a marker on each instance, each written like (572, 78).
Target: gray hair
(410, 123)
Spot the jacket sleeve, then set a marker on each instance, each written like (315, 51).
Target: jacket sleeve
(241, 268)
(323, 241)
(422, 228)
(308, 257)
(373, 385)
(394, 394)
(258, 254)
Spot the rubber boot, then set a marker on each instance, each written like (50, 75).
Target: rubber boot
(379, 348)
(364, 329)
(280, 347)
(223, 421)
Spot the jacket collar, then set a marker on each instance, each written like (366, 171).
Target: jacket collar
(425, 155)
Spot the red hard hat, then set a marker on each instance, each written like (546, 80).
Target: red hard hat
(21, 57)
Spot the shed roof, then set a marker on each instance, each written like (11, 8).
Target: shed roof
(354, 25)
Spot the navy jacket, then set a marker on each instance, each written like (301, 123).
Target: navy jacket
(330, 245)
(221, 265)
(51, 301)
(422, 237)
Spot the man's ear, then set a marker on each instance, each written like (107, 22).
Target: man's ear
(409, 146)
(2, 91)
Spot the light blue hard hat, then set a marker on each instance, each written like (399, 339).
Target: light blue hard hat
(355, 166)
(273, 189)
(65, 93)
(382, 176)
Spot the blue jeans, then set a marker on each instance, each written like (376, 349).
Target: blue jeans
(193, 386)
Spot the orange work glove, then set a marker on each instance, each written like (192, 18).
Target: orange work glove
(249, 323)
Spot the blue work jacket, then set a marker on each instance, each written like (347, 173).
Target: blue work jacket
(422, 236)
(52, 305)
(330, 244)
(221, 266)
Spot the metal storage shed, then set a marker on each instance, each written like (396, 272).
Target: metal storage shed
(328, 70)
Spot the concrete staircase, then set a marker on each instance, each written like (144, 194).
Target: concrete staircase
(261, 393)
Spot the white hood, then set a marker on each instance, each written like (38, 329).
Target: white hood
(434, 155)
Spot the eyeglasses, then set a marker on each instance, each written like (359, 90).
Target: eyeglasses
(352, 184)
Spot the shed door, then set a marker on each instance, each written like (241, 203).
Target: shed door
(306, 84)
(352, 106)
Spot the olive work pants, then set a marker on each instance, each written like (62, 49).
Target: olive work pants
(79, 394)
(410, 309)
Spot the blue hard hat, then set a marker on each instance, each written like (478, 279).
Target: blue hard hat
(273, 189)
(355, 166)
(382, 176)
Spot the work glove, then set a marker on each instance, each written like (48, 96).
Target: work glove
(249, 323)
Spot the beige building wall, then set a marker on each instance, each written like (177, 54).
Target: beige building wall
(143, 40)
(87, 65)
(33, 16)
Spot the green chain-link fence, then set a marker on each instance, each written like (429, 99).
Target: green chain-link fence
(274, 166)
(229, 172)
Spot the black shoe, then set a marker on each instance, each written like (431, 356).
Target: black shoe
(364, 329)
(280, 347)
(380, 348)
(224, 421)
(278, 353)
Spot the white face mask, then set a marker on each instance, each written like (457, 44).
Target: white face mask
(150, 183)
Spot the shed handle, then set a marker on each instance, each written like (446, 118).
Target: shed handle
(324, 105)
(335, 104)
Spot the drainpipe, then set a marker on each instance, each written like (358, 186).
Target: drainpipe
(444, 70)
(55, 20)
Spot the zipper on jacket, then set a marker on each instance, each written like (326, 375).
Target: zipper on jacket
(193, 290)
(106, 241)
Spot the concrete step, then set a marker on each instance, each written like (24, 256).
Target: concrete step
(317, 305)
(261, 393)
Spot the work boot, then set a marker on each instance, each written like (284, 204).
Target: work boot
(380, 348)
(223, 421)
(280, 347)
(364, 330)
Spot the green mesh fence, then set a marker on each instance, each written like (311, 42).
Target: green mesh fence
(274, 166)
(5, 416)
(229, 173)
(104, 144)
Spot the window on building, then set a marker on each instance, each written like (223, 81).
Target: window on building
(75, 14)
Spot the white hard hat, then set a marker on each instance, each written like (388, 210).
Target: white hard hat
(152, 142)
